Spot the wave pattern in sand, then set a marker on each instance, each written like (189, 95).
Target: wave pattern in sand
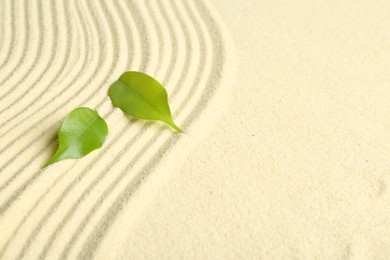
(59, 55)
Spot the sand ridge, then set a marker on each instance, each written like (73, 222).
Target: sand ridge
(59, 55)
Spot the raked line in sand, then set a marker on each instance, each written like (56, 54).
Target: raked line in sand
(59, 55)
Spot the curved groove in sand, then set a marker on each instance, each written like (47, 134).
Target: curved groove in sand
(65, 82)
(131, 62)
(83, 43)
(74, 78)
(95, 237)
(5, 13)
(21, 62)
(33, 178)
(69, 100)
(59, 228)
(144, 63)
(6, 64)
(63, 58)
(16, 193)
(89, 83)
(38, 227)
(114, 185)
(27, 130)
(88, 190)
(14, 88)
(8, 36)
(180, 44)
(22, 93)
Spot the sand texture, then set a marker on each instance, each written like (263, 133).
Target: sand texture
(285, 108)
(59, 55)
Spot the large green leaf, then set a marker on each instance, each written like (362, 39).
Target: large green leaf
(81, 132)
(143, 97)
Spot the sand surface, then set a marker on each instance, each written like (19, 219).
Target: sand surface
(285, 109)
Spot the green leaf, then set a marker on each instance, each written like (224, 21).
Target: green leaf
(142, 97)
(81, 132)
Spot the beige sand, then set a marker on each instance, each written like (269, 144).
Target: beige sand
(285, 153)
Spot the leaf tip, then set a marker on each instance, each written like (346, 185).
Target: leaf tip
(174, 126)
(55, 158)
(47, 163)
(58, 156)
(179, 131)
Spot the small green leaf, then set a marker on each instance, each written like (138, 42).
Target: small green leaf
(81, 132)
(142, 97)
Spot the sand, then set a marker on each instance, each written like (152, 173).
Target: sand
(285, 109)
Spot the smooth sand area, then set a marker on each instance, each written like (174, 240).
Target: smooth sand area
(285, 105)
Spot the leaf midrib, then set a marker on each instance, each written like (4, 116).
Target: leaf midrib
(86, 128)
(141, 98)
